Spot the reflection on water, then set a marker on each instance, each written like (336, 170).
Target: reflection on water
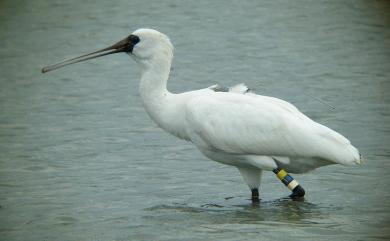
(281, 210)
(230, 217)
(80, 159)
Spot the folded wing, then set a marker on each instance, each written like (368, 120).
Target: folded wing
(260, 125)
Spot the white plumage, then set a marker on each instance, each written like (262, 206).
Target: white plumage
(235, 126)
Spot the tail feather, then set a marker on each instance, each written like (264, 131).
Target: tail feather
(351, 156)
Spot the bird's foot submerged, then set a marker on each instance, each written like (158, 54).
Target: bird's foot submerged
(298, 193)
(255, 195)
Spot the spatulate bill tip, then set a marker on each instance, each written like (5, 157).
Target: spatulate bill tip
(45, 70)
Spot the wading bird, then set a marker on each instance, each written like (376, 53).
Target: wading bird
(232, 126)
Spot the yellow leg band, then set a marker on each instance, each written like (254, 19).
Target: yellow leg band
(281, 174)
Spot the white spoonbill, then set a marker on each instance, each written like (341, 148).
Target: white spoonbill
(230, 125)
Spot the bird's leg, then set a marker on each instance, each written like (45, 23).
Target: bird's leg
(255, 195)
(297, 191)
(252, 178)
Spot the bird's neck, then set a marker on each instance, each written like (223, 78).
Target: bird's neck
(156, 99)
(155, 73)
(154, 77)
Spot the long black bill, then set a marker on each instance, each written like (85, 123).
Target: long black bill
(125, 45)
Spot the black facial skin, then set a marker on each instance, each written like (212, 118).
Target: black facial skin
(133, 40)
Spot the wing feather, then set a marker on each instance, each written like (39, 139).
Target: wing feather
(260, 125)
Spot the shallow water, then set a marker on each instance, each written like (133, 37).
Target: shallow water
(80, 159)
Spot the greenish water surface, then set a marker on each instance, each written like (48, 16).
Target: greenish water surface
(81, 160)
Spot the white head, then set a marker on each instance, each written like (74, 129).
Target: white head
(152, 44)
(146, 46)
